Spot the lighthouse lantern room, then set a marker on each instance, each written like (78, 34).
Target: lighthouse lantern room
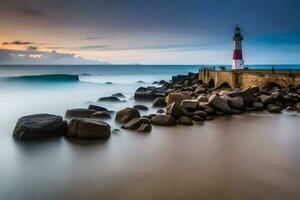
(237, 58)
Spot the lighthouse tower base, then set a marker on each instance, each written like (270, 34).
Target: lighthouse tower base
(238, 64)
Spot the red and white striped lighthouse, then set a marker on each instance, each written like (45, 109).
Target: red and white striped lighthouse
(237, 58)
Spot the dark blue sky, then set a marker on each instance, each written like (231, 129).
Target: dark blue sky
(153, 31)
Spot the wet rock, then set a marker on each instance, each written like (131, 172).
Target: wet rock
(176, 97)
(108, 83)
(272, 108)
(155, 82)
(183, 120)
(290, 108)
(127, 114)
(266, 99)
(210, 118)
(235, 111)
(97, 108)
(258, 106)
(191, 104)
(79, 112)
(149, 93)
(197, 118)
(101, 115)
(200, 113)
(135, 123)
(176, 110)
(111, 99)
(141, 107)
(163, 120)
(248, 95)
(120, 95)
(88, 129)
(159, 102)
(160, 111)
(161, 82)
(145, 128)
(151, 115)
(39, 126)
(236, 103)
(217, 103)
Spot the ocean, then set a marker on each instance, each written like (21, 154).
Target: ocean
(239, 157)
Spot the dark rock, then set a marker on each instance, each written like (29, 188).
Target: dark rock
(258, 106)
(149, 93)
(272, 108)
(235, 111)
(266, 99)
(209, 118)
(39, 126)
(155, 82)
(160, 111)
(97, 108)
(176, 110)
(197, 118)
(108, 83)
(111, 98)
(202, 98)
(159, 102)
(236, 103)
(141, 107)
(248, 95)
(290, 108)
(151, 115)
(200, 89)
(200, 113)
(88, 129)
(120, 95)
(127, 114)
(183, 120)
(135, 123)
(163, 120)
(145, 128)
(101, 115)
(161, 82)
(217, 103)
(79, 112)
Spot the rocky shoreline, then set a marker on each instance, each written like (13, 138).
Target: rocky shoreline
(184, 100)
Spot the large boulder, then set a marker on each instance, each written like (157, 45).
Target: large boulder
(202, 98)
(236, 103)
(119, 95)
(97, 108)
(185, 121)
(149, 93)
(176, 110)
(79, 112)
(135, 123)
(200, 89)
(88, 129)
(159, 102)
(248, 95)
(127, 114)
(217, 103)
(39, 126)
(163, 120)
(200, 113)
(176, 97)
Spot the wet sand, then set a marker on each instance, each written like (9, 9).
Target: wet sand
(251, 156)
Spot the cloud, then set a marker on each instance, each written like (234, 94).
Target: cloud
(17, 43)
(30, 11)
(33, 48)
(34, 57)
(90, 38)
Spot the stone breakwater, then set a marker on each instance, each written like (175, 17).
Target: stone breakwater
(184, 100)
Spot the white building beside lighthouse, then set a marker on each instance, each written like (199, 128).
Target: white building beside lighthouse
(237, 57)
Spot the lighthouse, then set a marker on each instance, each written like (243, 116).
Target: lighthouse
(237, 58)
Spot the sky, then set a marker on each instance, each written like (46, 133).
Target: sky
(147, 31)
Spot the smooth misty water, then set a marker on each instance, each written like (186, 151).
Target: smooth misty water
(251, 156)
